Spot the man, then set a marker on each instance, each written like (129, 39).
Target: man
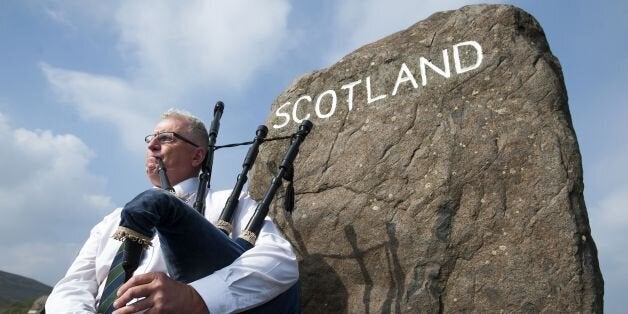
(267, 272)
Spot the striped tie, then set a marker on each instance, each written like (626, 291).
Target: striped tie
(115, 279)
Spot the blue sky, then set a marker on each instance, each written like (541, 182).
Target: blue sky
(81, 83)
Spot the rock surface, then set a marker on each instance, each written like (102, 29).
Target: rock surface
(427, 189)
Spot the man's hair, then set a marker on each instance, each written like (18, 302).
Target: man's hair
(196, 127)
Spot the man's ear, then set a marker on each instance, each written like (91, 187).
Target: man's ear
(198, 157)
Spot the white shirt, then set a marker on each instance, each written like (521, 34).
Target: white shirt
(257, 276)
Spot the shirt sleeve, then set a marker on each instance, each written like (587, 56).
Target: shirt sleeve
(77, 291)
(257, 276)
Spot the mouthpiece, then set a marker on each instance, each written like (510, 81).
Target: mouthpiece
(163, 176)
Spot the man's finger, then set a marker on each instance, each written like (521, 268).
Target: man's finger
(138, 306)
(136, 280)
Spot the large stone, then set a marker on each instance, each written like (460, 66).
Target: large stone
(460, 194)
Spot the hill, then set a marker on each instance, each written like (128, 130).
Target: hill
(15, 288)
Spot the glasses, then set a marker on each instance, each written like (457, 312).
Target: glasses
(167, 137)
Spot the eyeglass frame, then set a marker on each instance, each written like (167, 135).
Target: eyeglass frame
(150, 137)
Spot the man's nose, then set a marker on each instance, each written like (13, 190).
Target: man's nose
(154, 144)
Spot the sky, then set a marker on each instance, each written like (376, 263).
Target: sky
(82, 82)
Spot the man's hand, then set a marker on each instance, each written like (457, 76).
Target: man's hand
(160, 294)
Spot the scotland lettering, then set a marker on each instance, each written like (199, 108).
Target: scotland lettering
(329, 98)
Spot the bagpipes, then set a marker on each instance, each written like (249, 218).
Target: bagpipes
(249, 234)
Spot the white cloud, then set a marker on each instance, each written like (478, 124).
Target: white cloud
(59, 17)
(202, 43)
(131, 111)
(79, 14)
(48, 197)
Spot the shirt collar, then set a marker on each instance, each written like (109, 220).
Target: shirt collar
(187, 186)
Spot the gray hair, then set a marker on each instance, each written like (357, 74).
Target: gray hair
(196, 127)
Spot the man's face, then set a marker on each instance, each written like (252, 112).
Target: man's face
(181, 159)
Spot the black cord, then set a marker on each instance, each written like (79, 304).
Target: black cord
(251, 142)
